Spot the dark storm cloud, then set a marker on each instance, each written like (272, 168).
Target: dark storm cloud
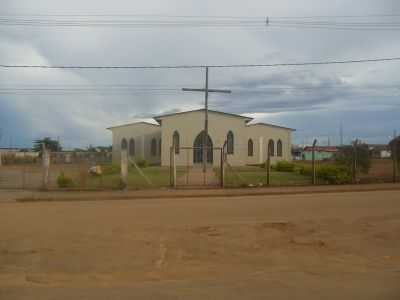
(289, 96)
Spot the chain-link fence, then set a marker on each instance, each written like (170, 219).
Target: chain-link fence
(357, 163)
(354, 164)
(27, 170)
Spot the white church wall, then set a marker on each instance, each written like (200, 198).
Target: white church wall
(190, 124)
(261, 134)
(143, 134)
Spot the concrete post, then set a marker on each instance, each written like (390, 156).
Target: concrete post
(314, 172)
(1, 163)
(268, 167)
(171, 149)
(394, 158)
(261, 148)
(45, 167)
(174, 167)
(124, 167)
(222, 169)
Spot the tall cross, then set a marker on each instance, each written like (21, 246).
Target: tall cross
(206, 90)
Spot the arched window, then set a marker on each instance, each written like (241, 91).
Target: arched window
(124, 144)
(250, 148)
(175, 142)
(132, 147)
(230, 142)
(153, 147)
(279, 150)
(271, 147)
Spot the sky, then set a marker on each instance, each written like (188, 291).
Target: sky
(315, 100)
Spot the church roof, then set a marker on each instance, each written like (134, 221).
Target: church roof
(157, 118)
(134, 123)
(271, 125)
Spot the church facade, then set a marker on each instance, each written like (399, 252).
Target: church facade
(247, 142)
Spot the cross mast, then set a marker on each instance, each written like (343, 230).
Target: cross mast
(206, 90)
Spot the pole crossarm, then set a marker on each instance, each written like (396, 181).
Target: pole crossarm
(209, 90)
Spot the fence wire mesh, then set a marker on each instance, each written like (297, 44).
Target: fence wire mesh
(95, 170)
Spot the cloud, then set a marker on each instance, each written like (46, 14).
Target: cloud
(293, 96)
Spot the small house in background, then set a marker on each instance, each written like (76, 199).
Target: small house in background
(297, 153)
(321, 153)
(379, 151)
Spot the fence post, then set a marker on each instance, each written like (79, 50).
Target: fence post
(354, 168)
(187, 165)
(174, 165)
(314, 171)
(1, 163)
(170, 166)
(45, 166)
(394, 157)
(222, 170)
(124, 167)
(268, 166)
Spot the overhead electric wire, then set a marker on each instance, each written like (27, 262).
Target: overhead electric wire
(316, 63)
(115, 89)
(348, 22)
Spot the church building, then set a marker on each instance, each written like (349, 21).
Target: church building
(247, 141)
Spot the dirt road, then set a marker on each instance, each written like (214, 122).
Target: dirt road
(317, 246)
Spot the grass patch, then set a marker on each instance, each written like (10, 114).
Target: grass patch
(159, 176)
(245, 176)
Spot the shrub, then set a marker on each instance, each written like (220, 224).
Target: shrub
(305, 170)
(345, 157)
(332, 174)
(284, 166)
(64, 181)
(142, 163)
(111, 169)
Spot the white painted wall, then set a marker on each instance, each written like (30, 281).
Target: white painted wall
(143, 133)
(189, 125)
(261, 134)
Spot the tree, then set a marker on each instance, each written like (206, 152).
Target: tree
(51, 144)
(346, 155)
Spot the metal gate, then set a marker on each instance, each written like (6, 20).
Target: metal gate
(188, 168)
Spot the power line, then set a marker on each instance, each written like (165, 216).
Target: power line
(333, 62)
(344, 22)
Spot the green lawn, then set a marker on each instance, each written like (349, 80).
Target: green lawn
(159, 176)
(244, 176)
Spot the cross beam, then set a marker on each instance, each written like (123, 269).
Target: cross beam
(209, 90)
(206, 90)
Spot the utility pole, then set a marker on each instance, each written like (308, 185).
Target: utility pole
(206, 90)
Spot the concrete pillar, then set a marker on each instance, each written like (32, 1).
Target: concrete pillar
(260, 150)
(45, 167)
(124, 166)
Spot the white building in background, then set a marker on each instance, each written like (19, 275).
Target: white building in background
(247, 142)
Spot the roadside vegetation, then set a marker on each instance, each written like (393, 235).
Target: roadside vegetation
(110, 177)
